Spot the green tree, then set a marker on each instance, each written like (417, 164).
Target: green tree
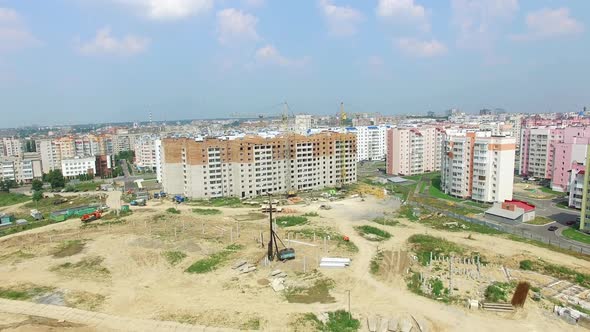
(56, 179)
(5, 186)
(37, 196)
(37, 185)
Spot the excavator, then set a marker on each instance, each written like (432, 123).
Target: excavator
(91, 216)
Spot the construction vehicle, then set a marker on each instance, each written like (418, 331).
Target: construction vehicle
(273, 244)
(178, 199)
(91, 216)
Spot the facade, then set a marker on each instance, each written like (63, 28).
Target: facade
(479, 166)
(414, 150)
(76, 166)
(513, 211)
(146, 152)
(371, 142)
(549, 152)
(302, 122)
(11, 147)
(253, 166)
(585, 213)
(104, 165)
(22, 169)
(158, 144)
(576, 185)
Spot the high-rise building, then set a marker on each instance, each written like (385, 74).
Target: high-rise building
(252, 166)
(585, 213)
(479, 166)
(414, 150)
(76, 166)
(371, 142)
(11, 147)
(146, 152)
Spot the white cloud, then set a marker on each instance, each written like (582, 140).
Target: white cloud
(14, 34)
(550, 23)
(234, 26)
(341, 20)
(421, 48)
(254, 3)
(270, 55)
(106, 44)
(168, 9)
(479, 22)
(403, 10)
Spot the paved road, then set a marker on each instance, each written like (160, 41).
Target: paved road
(97, 320)
(560, 216)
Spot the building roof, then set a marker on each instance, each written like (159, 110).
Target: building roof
(521, 204)
(397, 179)
(498, 211)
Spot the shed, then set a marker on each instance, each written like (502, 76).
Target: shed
(497, 213)
(6, 219)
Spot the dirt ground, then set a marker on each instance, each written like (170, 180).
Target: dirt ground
(121, 268)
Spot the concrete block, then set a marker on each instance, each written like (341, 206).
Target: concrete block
(275, 272)
(392, 324)
(405, 326)
(239, 264)
(277, 284)
(372, 323)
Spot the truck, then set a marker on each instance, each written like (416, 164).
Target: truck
(138, 202)
(178, 199)
(91, 216)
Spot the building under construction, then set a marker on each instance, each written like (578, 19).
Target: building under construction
(253, 166)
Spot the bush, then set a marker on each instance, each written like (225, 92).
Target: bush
(526, 265)
(207, 212)
(173, 210)
(342, 321)
(497, 292)
(174, 257)
(423, 245)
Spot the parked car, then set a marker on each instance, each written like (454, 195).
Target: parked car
(552, 228)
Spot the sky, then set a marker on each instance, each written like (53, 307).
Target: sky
(92, 61)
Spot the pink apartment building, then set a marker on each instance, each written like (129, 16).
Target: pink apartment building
(548, 153)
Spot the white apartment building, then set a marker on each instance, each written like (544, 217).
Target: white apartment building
(253, 166)
(21, 169)
(576, 185)
(371, 142)
(76, 166)
(302, 123)
(479, 166)
(158, 144)
(11, 147)
(414, 150)
(146, 152)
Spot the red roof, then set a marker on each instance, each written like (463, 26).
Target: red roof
(521, 204)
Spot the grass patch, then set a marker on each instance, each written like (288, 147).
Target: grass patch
(372, 233)
(423, 245)
(85, 186)
(541, 244)
(87, 268)
(442, 222)
(251, 216)
(68, 248)
(251, 324)
(24, 292)
(407, 211)
(558, 271)
(341, 321)
(526, 265)
(539, 221)
(207, 212)
(565, 205)
(173, 210)
(320, 233)
(376, 262)
(498, 292)
(218, 202)
(307, 322)
(212, 262)
(435, 191)
(84, 300)
(478, 204)
(311, 214)
(21, 228)
(290, 221)
(385, 221)
(551, 192)
(174, 257)
(7, 199)
(58, 202)
(576, 235)
(318, 293)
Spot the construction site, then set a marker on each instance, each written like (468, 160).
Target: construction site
(216, 264)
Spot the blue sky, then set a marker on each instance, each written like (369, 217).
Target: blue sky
(85, 61)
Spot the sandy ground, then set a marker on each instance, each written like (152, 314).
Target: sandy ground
(143, 285)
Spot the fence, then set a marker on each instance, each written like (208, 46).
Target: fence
(507, 228)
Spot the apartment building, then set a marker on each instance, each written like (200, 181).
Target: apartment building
(414, 150)
(158, 144)
(22, 169)
(576, 185)
(549, 153)
(146, 152)
(479, 166)
(11, 147)
(253, 166)
(73, 167)
(371, 142)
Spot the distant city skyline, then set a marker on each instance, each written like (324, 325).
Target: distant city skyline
(95, 61)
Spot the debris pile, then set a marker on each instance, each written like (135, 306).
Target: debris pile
(243, 267)
(277, 280)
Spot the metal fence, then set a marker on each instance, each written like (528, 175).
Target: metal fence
(507, 228)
